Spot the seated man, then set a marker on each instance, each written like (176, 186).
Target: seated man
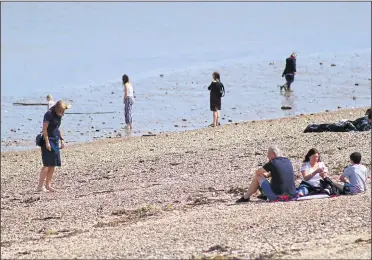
(354, 176)
(280, 170)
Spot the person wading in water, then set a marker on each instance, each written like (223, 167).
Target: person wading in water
(289, 71)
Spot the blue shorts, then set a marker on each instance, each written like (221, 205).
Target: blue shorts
(266, 187)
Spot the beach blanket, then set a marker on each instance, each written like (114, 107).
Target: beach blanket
(358, 125)
(312, 197)
(285, 198)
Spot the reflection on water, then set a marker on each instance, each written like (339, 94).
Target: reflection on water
(288, 98)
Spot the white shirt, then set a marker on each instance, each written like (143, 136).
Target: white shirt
(315, 180)
(50, 104)
(129, 90)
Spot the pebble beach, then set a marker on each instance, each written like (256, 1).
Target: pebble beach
(171, 196)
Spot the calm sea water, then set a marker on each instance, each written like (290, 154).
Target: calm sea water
(79, 51)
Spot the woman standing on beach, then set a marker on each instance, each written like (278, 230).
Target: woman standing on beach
(50, 148)
(217, 91)
(128, 101)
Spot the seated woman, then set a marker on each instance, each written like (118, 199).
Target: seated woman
(312, 170)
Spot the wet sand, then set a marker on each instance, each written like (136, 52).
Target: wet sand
(172, 196)
(179, 100)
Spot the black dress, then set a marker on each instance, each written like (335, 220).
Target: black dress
(215, 96)
(52, 158)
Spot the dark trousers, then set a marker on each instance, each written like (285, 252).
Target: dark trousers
(289, 78)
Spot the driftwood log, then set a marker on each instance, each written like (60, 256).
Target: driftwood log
(88, 113)
(29, 104)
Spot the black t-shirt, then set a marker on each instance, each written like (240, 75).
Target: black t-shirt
(54, 122)
(282, 176)
(215, 91)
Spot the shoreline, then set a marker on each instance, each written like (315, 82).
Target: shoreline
(182, 94)
(172, 196)
(111, 139)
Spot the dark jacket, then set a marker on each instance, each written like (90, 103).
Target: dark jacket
(290, 66)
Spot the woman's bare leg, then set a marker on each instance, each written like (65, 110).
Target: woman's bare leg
(43, 174)
(218, 117)
(214, 118)
(49, 179)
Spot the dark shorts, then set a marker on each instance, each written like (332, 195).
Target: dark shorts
(215, 104)
(51, 158)
(289, 78)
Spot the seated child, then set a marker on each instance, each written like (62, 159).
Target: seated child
(354, 176)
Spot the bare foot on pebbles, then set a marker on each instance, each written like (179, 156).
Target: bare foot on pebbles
(50, 189)
(42, 189)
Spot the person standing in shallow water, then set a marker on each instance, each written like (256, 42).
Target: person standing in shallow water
(50, 150)
(128, 101)
(217, 91)
(289, 71)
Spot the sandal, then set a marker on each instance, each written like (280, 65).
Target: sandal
(211, 125)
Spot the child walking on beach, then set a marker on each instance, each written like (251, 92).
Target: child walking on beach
(50, 100)
(128, 101)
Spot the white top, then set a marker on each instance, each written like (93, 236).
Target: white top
(50, 104)
(315, 180)
(129, 90)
